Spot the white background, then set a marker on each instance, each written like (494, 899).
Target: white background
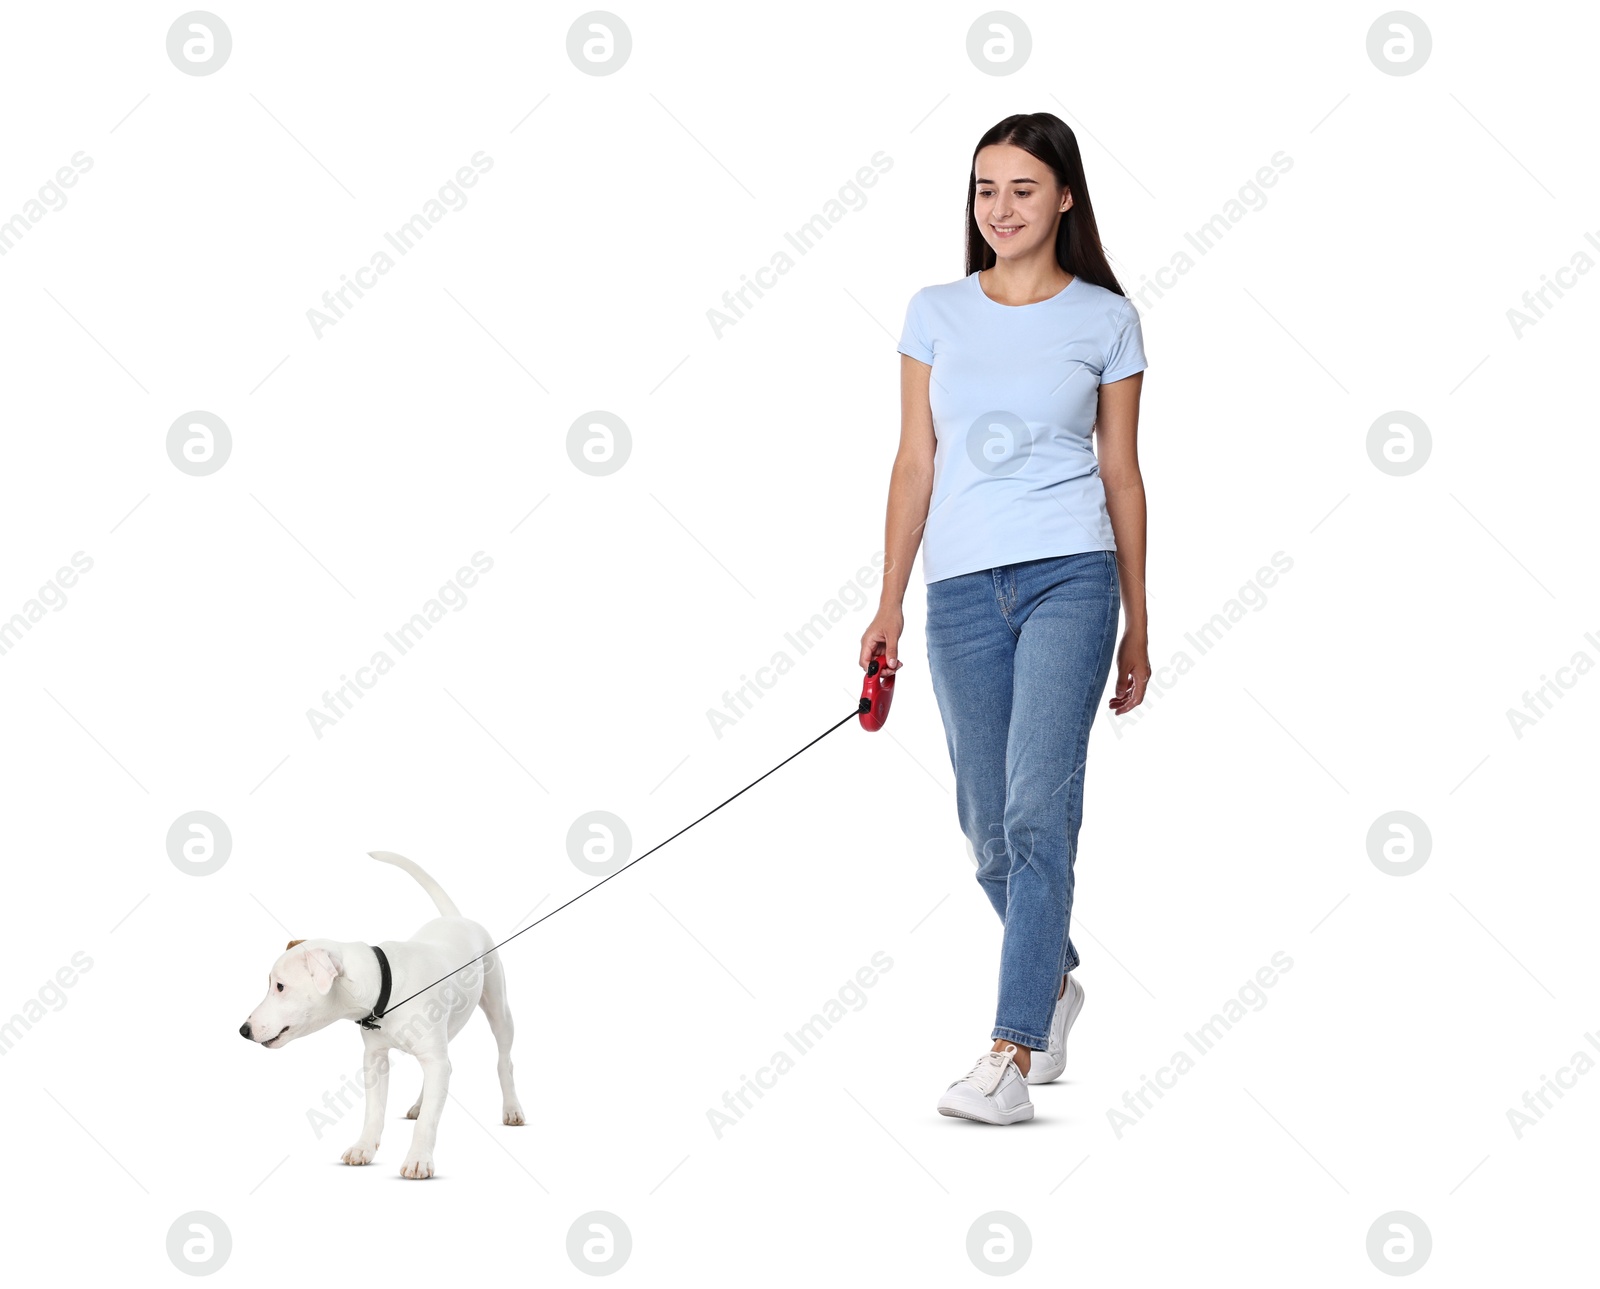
(1229, 821)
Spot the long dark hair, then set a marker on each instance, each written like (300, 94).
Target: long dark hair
(1047, 137)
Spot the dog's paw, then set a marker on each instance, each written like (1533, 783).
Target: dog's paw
(414, 1111)
(360, 1153)
(512, 1116)
(418, 1167)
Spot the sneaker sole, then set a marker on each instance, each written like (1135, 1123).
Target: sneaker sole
(1021, 1115)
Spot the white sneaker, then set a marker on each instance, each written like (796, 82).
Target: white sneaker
(1050, 1063)
(993, 1093)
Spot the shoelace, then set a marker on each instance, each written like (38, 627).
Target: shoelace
(987, 1073)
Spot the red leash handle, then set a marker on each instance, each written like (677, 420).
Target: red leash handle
(877, 691)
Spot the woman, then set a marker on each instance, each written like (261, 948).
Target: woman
(1031, 543)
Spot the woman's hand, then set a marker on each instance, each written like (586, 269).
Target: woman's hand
(884, 630)
(1133, 672)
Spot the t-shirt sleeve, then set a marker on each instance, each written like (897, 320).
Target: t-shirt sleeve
(914, 336)
(1125, 356)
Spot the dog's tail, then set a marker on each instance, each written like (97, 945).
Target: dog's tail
(447, 906)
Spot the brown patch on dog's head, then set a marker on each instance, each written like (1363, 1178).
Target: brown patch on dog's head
(292, 944)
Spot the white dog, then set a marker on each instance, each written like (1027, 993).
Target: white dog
(318, 982)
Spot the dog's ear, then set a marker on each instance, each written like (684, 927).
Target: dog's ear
(292, 944)
(324, 965)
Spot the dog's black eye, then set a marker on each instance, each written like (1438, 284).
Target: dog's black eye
(280, 986)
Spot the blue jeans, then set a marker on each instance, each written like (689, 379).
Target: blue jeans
(1019, 657)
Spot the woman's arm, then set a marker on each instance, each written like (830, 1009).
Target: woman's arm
(1117, 434)
(910, 490)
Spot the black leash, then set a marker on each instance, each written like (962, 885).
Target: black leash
(371, 1020)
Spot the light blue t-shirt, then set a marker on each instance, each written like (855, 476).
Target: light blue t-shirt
(1014, 391)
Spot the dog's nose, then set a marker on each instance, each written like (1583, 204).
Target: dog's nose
(244, 1030)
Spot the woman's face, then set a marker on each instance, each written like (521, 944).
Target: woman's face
(1017, 202)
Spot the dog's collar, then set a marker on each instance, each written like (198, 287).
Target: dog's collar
(371, 1019)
